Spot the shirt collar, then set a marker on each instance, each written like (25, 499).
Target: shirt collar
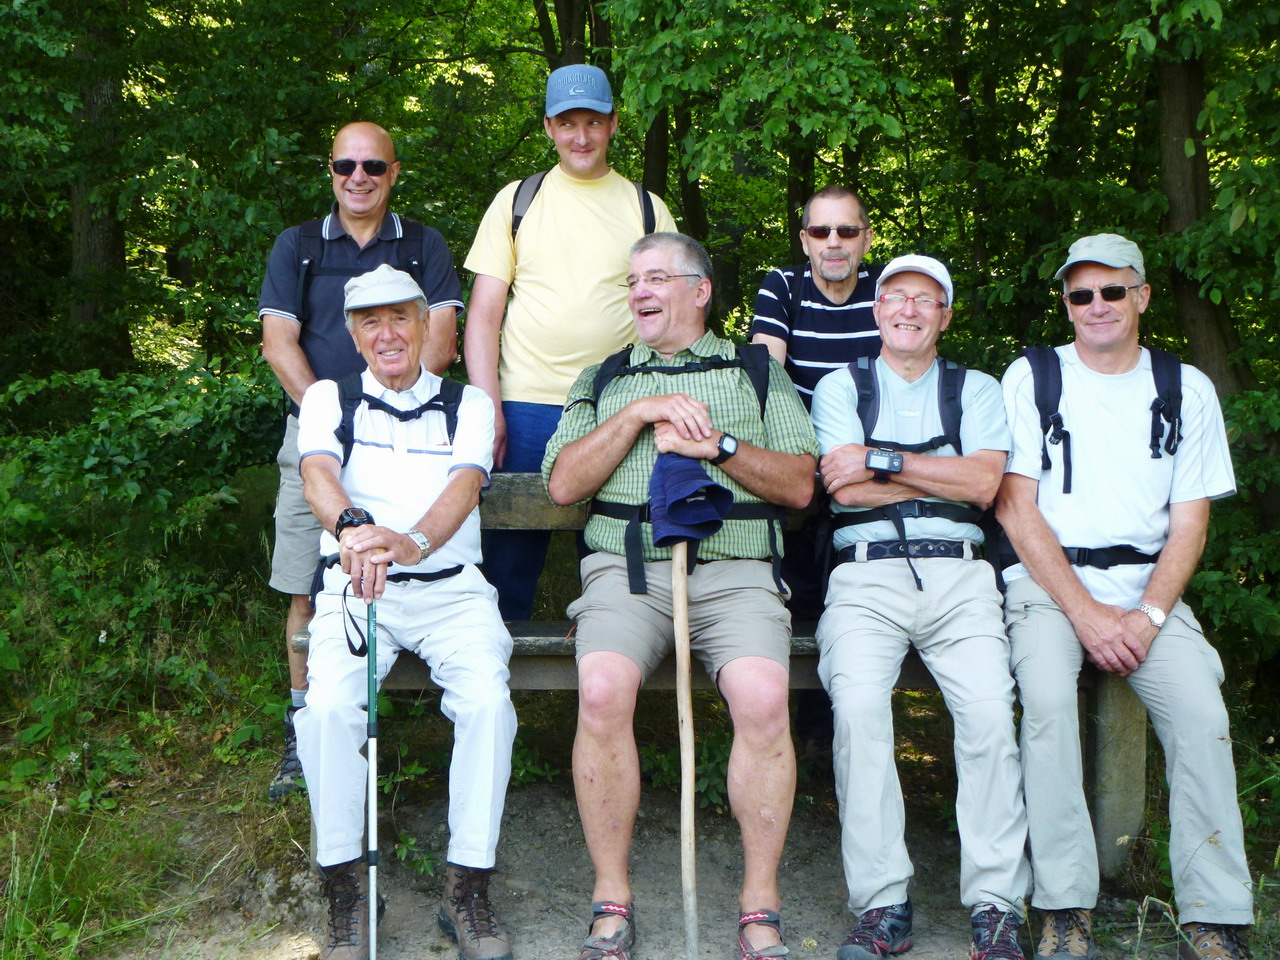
(706, 346)
(332, 229)
(424, 389)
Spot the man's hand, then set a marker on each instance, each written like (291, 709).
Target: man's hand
(844, 465)
(689, 418)
(366, 551)
(668, 439)
(1112, 639)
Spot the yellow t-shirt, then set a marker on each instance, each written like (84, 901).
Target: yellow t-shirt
(567, 308)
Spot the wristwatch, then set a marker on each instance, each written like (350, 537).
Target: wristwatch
(1154, 614)
(424, 544)
(351, 517)
(728, 446)
(883, 462)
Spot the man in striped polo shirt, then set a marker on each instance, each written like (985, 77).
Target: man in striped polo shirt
(684, 391)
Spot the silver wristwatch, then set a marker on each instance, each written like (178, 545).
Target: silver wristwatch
(423, 543)
(1154, 614)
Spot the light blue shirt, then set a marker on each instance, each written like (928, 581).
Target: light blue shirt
(909, 414)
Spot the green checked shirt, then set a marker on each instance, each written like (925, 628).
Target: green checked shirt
(734, 408)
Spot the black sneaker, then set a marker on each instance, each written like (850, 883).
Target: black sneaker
(995, 934)
(288, 778)
(879, 932)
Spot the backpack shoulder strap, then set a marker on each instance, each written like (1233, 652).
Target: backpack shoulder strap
(350, 393)
(755, 361)
(797, 281)
(1046, 380)
(310, 253)
(868, 387)
(647, 212)
(523, 198)
(411, 238)
(950, 404)
(450, 398)
(1166, 370)
(609, 368)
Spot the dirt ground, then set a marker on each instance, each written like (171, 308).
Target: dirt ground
(542, 890)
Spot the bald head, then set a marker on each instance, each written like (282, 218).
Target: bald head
(363, 194)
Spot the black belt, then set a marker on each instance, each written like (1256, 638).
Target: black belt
(638, 514)
(1104, 557)
(897, 549)
(901, 511)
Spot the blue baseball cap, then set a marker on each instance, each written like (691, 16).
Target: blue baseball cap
(578, 86)
(684, 504)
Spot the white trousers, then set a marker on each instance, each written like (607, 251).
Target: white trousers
(874, 614)
(1179, 684)
(453, 625)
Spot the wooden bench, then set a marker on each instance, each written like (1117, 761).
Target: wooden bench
(1114, 727)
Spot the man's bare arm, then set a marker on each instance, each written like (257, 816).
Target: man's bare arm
(282, 349)
(480, 340)
(782, 478)
(442, 340)
(776, 346)
(973, 478)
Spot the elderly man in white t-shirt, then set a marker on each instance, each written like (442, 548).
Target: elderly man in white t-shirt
(909, 476)
(396, 489)
(1145, 515)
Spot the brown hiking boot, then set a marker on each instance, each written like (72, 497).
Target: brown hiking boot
(1067, 935)
(466, 915)
(345, 886)
(1212, 941)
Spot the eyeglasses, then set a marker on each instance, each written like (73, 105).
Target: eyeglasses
(1111, 293)
(845, 231)
(897, 301)
(346, 167)
(656, 280)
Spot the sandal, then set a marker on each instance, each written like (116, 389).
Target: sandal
(617, 946)
(768, 918)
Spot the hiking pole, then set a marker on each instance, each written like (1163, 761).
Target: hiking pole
(688, 770)
(371, 754)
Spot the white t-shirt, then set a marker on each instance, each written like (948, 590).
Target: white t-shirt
(908, 414)
(397, 470)
(1119, 494)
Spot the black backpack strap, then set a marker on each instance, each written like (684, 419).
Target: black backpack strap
(755, 361)
(797, 279)
(867, 384)
(350, 394)
(1046, 379)
(647, 213)
(610, 368)
(1166, 369)
(950, 408)
(310, 255)
(524, 195)
(450, 397)
(411, 239)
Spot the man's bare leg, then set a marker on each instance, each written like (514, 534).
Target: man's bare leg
(606, 773)
(762, 779)
(300, 614)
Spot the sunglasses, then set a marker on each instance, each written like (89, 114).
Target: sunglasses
(1111, 293)
(346, 167)
(845, 231)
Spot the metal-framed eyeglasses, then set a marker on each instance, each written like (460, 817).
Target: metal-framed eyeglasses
(896, 301)
(656, 279)
(846, 231)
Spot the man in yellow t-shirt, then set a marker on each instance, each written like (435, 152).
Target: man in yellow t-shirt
(563, 265)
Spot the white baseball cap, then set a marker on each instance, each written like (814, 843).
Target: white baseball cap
(380, 287)
(914, 263)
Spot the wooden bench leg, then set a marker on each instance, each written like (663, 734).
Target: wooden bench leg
(1115, 767)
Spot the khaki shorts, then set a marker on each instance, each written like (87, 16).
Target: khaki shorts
(735, 610)
(297, 548)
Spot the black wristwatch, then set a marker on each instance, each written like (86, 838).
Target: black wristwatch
(883, 462)
(351, 517)
(728, 446)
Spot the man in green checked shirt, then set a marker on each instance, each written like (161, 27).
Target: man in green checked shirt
(683, 390)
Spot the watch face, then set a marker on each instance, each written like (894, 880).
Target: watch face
(729, 444)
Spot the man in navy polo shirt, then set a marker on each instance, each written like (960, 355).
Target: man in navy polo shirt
(304, 338)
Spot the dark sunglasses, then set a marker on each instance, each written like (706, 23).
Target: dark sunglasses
(1111, 293)
(844, 231)
(346, 167)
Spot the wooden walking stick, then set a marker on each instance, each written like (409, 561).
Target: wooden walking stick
(688, 769)
(371, 854)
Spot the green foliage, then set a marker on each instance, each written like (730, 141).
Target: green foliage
(527, 765)
(711, 765)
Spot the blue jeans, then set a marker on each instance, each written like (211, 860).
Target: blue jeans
(513, 558)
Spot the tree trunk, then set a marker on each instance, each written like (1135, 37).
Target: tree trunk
(799, 189)
(1211, 336)
(657, 153)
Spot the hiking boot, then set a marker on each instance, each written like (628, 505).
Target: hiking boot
(1212, 941)
(288, 778)
(345, 886)
(1067, 935)
(879, 932)
(466, 915)
(995, 934)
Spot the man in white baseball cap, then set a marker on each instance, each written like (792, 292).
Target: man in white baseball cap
(913, 450)
(402, 445)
